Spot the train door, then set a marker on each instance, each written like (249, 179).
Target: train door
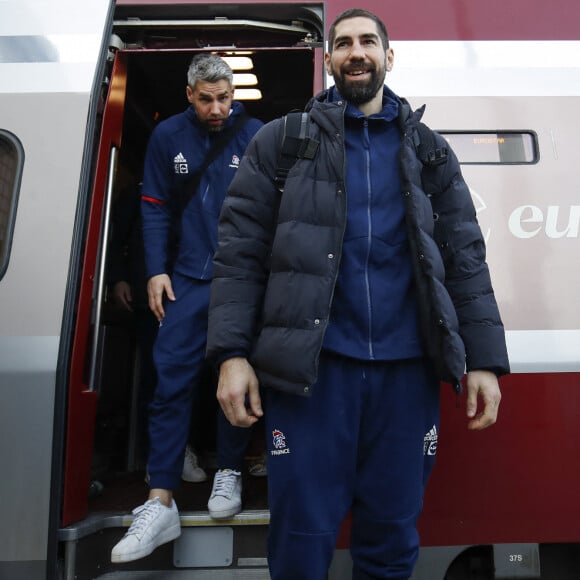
(150, 49)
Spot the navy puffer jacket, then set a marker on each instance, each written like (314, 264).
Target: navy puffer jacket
(278, 258)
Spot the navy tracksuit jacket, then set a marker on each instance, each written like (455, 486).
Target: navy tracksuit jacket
(176, 149)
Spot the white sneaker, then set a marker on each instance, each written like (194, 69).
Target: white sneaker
(225, 500)
(154, 525)
(192, 472)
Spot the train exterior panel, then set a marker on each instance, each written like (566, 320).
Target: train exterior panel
(81, 86)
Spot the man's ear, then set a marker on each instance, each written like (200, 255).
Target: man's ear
(390, 58)
(327, 63)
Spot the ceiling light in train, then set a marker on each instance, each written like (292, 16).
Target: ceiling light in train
(239, 62)
(248, 94)
(245, 80)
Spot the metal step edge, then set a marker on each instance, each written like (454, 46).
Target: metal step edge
(222, 574)
(96, 522)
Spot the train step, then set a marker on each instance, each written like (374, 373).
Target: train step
(207, 548)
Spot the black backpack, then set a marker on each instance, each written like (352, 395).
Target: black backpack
(296, 144)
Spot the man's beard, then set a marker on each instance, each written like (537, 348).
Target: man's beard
(359, 93)
(214, 128)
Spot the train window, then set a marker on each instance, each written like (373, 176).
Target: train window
(11, 161)
(494, 148)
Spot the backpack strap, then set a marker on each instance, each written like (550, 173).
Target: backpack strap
(185, 194)
(426, 146)
(296, 144)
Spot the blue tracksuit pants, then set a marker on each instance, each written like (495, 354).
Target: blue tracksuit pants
(365, 442)
(179, 356)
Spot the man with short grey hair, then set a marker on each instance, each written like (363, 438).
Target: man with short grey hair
(191, 159)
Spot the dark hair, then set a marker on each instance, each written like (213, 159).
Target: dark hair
(358, 13)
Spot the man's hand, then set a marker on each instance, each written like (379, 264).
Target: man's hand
(156, 287)
(237, 379)
(482, 384)
(122, 295)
